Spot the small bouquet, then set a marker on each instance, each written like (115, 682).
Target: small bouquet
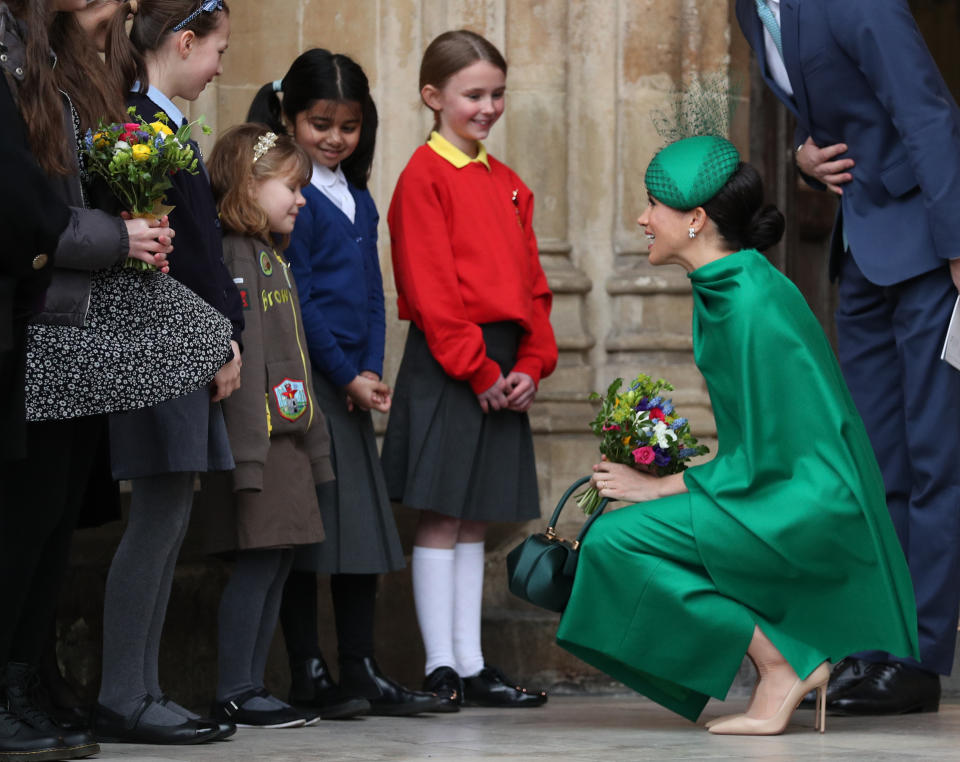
(137, 159)
(639, 427)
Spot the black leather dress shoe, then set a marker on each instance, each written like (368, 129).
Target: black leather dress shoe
(21, 743)
(235, 712)
(491, 688)
(224, 729)
(312, 688)
(890, 689)
(845, 674)
(112, 727)
(27, 699)
(362, 677)
(447, 685)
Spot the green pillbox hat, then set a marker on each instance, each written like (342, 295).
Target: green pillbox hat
(691, 171)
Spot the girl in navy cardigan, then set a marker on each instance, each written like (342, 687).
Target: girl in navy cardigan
(333, 253)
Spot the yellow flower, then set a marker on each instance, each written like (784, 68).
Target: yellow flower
(100, 140)
(626, 441)
(141, 152)
(160, 128)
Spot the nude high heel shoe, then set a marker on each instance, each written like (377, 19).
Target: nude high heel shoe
(771, 726)
(724, 717)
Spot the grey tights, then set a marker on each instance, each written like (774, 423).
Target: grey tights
(249, 609)
(137, 593)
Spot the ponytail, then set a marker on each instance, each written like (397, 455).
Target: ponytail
(125, 63)
(266, 109)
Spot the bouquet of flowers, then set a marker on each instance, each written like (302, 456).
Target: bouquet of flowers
(639, 427)
(137, 159)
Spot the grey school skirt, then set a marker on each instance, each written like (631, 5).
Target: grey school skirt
(361, 535)
(443, 453)
(183, 434)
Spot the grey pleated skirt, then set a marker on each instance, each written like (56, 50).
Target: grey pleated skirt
(443, 453)
(361, 535)
(183, 434)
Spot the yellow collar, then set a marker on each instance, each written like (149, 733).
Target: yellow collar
(454, 155)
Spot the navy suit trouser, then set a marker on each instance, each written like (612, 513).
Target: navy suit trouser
(889, 340)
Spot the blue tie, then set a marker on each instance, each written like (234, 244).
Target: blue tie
(770, 22)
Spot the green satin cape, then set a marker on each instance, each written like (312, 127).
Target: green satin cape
(789, 520)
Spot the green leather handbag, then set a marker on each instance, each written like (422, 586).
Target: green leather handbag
(540, 569)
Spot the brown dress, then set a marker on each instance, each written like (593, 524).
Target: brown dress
(277, 433)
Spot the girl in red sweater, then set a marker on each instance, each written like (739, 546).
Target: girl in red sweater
(458, 445)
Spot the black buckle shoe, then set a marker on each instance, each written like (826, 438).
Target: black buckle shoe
(312, 688)
(27, 699)
(233, 711)
(362, 677)
(19, 742)
(890, 689)
(491, 688)
(112, 727)
(225, 729)
(447, 685)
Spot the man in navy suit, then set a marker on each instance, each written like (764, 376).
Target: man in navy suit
(878, 127)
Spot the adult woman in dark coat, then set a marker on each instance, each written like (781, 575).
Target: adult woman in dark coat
(40, 491)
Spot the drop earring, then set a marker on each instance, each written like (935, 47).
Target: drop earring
(693, 233)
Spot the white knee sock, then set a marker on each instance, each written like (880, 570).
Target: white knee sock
(468, 600)
(433, 585)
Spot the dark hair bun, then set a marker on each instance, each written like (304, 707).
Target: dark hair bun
(738, 211)
(765, 228)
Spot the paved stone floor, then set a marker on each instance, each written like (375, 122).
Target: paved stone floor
(574, 730)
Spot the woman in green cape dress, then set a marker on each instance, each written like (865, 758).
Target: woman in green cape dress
(781, 546)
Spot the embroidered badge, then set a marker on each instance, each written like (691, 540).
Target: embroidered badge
(265, 264)
(244, 298)
(291, 398)
(515, 198)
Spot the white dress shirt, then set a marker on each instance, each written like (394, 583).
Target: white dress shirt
(775, 63)
(332, 183)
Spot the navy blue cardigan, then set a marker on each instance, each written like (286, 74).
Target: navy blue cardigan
(338, 276)
(197, 257)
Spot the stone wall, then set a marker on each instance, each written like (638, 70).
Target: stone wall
(584, 77)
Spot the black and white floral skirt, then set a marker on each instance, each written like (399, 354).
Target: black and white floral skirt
(147, 338)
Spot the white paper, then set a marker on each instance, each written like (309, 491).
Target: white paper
(951, 344)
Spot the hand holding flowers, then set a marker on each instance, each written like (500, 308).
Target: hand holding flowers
(137, 160)
(639, 428)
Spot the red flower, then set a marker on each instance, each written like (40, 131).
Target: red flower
(610, 427)
(656, 414)
(643, 455)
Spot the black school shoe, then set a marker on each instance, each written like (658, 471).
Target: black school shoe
(447, 685)
(491, 688)
(21, 743)
(362, 677)
(233, 711)
(224, 729)
(312, 688)
(26, 699)
(112, 727)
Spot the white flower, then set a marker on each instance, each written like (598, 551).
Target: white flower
(120, 146)
(663, 434)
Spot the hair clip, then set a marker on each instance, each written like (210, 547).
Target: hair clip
(278, 85)
(207, 6)
(264, 144)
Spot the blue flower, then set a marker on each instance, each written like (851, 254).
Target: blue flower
(660, 458)
(680, 422)
(686, 452)
(667, 407)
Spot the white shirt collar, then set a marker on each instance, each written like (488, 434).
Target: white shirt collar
(175, 114)
(332, 183)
